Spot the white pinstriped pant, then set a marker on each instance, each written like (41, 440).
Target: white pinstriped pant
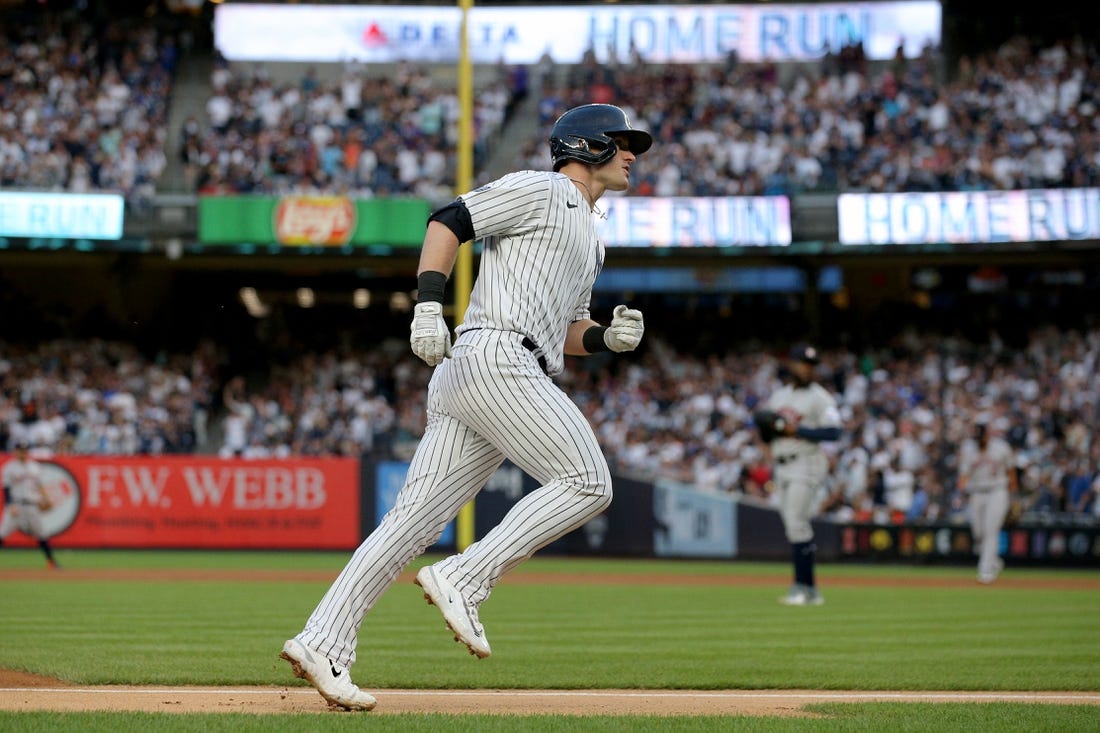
(488, 402)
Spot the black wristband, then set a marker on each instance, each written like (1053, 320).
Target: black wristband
(430, 285)
(592, 340)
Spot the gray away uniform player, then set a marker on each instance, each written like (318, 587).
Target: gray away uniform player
(809, 417)
(491, 397)
(25, 499)
(987, 472)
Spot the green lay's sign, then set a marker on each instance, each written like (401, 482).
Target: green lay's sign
(312, 221)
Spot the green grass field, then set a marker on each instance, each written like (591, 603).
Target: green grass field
(882, 628)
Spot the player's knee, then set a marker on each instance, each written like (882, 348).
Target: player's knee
(603, 496)
(595, 484)
(599, 489)
(799, 532)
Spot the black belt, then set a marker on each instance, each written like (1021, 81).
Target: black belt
(783, 460)
(534, 349)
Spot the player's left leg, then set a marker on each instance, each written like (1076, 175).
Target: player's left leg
(978, 512)
(51, 563)
(33, 525)
(990, 564)
(450, 466)
(796, 510)
(576, 486)
(540, 429)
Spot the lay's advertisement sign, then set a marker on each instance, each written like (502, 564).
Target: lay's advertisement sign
(315, 220)
(312, 221)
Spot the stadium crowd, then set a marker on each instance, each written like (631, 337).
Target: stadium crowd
(679, 416)
(96, 397)
(1018, 117)
(364, 134)
(85, 106)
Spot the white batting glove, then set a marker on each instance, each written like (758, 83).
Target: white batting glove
(430, 338)
(625, 331)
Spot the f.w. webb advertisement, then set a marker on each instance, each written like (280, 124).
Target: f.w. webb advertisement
(198, 502)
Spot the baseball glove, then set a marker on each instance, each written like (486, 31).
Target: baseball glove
(770, 424)
(1015, 513)
(44, 504)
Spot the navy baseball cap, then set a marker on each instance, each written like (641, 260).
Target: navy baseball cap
(806, 353)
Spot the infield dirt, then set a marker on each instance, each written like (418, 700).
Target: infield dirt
(24, 692)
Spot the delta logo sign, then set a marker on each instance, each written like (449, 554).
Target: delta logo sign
(431, 37)
(378, 35)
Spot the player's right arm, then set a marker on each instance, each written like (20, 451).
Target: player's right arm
(439, 250)
(962, 477)
(429, 336)
(1010, 470)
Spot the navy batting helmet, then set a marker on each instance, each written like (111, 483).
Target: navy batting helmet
(578, 129)
(806, 353)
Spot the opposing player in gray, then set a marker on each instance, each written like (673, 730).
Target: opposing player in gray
(491, 397)
(25, 500)
(987, 473)
(810, 417)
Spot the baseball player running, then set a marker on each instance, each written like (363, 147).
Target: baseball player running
(491, 397)
(25, 499)
(807, 416)
(987, 473)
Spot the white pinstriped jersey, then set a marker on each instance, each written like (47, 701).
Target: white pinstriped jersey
(540, 258)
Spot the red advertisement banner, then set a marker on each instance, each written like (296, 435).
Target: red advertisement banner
(200, 502)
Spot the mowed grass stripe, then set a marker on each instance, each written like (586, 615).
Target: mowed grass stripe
(564, 634)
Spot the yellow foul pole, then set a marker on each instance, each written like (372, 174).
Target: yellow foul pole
(464, 279)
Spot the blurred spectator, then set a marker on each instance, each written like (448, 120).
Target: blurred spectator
(675, 415)
(99, 397)
(366, 132)
(84, 107)
(1019, 117)
(687, 418)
